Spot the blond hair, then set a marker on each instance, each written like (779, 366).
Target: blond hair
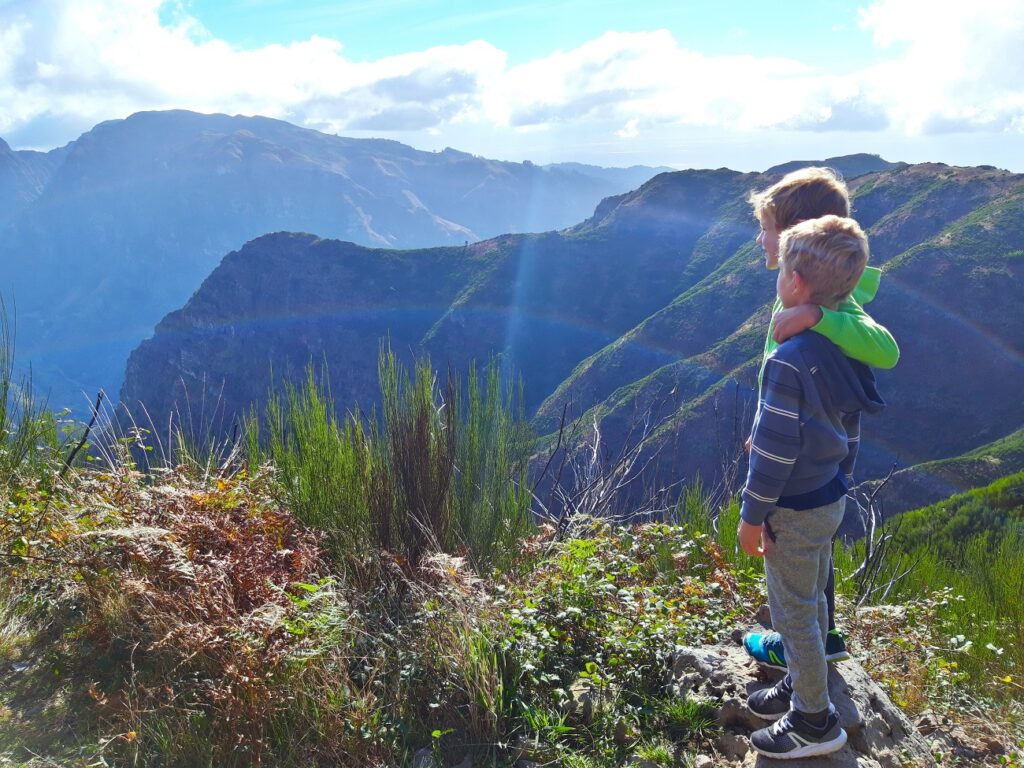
(804, 194)
(829, 253)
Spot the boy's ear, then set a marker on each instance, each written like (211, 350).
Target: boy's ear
(799, 284)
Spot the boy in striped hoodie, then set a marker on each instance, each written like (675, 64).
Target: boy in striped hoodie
(803, 447)
(801, 195)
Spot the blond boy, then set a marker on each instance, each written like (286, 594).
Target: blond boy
(803, 446)
(799, 196)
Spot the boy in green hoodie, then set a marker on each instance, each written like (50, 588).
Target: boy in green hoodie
(811, 193)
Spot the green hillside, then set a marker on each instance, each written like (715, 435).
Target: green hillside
(654, 303)
(987, 514)
(931, 481)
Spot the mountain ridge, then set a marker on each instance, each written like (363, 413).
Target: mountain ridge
(660, 299)
(104, 237)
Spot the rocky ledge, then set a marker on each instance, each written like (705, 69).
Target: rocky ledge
(880, 735)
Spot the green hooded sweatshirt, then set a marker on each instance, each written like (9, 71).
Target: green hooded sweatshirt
(849, 327)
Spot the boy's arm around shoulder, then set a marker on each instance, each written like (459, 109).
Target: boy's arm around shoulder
(850, 328)
(858, 336)
(855, 332)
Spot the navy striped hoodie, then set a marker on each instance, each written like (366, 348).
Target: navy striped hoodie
(807, 429)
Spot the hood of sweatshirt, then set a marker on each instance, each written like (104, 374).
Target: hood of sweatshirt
(849, 384)
(867, 286)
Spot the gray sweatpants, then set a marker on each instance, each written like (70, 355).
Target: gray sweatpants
(796, 570)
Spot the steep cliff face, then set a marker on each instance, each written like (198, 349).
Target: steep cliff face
(105, 237)
(656, 304)
(282, 303)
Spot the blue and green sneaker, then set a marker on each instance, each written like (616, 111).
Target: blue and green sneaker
(766, 648)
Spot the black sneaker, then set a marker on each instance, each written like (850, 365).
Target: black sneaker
(835, 647)
(791, 736)
(772, 703)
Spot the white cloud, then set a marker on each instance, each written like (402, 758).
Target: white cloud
(956, 66)
(630, 130)
(945, 66)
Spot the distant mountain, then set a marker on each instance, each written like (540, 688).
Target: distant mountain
(625, 178)
(23, 176)
(102, 238)
(849, 166)
(654, 309)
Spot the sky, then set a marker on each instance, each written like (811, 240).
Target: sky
(686, 83)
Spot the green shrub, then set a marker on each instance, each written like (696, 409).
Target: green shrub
(321, 463)
(438, 469)
(29, 434)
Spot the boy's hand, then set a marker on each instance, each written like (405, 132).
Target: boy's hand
(750, 538)
(746, 444)
(790, 322)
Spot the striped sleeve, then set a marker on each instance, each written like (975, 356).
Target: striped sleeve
(775, 441)
(851, 422)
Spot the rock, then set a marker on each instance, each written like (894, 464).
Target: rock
(763, 617)
(693, 660)
(993, 746)
(928, 723)
(880, 735)
(844, 758)
(583, 700)
(703, 761)
(732, 746)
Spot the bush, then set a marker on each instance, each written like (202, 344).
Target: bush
(439, 469)
(29, 435)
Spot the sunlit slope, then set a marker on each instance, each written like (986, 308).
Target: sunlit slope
(953, 302)
(560, 296)
(900, 209)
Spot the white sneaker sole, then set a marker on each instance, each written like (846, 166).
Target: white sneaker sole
(810, 750)
(764, 716)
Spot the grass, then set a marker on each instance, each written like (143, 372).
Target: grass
(439, 468)
(246, 611)
(964, 574)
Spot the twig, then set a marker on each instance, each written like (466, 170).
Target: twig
(81, 443)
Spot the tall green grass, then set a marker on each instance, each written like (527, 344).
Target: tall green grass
(966, 555)
(493, 499)
(321, 462)
(29, 434)
(438, 468)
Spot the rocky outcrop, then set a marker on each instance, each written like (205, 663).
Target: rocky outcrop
(880, 735)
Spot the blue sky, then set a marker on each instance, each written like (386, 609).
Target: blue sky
(825, 31)
(684, 84)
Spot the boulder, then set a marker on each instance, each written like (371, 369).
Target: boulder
(880, 735)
